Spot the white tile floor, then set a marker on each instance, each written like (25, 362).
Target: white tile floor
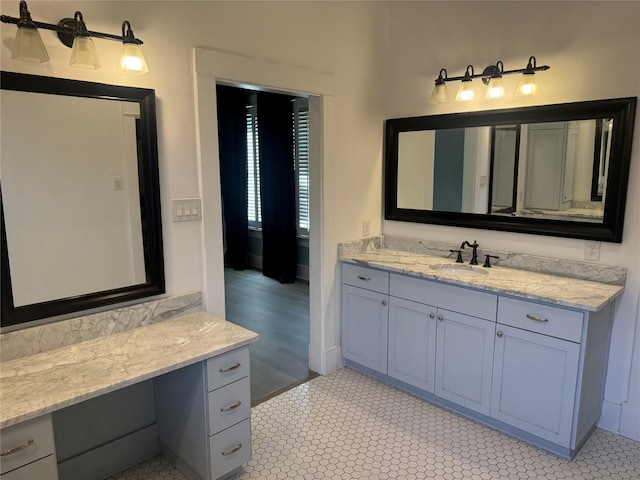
(347, 425)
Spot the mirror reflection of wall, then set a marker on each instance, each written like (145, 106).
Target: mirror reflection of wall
(444, 170)
(70, 195)
(538, 170)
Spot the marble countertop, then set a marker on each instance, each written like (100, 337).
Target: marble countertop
(41, 383)
(565, 291)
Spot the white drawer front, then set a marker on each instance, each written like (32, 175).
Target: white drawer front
(227, 368)
(44, 469)
(36, 436)
(449, 297)
(364, 277)
(229, 405)
(535, 317)
(230, 449)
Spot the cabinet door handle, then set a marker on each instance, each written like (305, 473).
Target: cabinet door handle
(233, 450)
(498, 333)
(537, 319)
(231, 368)
(362, 277)
(232, 407)
(17, 449)
(440, 317)
(384, 302)
(432, 315)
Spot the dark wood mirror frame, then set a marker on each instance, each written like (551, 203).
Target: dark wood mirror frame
(622, 110)
(149, 194)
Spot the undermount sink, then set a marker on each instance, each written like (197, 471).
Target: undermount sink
(459, 269)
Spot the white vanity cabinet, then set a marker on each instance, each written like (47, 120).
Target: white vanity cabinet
(531, 369)
(461, 354)
(28, 450)
(365, 305)
(408, 329)
(464, 360)
(412, 343)
(548, 372)
(203, 415)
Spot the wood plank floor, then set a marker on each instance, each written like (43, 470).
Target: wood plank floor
(279, 313)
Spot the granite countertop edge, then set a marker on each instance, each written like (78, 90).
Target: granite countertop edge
(553, 289)
(45, 382)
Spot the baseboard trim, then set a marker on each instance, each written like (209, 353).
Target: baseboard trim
(630, 421)
(112, 457)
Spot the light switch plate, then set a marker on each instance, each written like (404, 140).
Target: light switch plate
(186, 209)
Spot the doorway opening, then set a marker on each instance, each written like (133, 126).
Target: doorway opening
(264, 172)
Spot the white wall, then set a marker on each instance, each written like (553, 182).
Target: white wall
(384, 57)
(571, 37)
(342, 39)
(57, 172)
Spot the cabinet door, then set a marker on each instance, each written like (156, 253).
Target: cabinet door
(534, 383)
(545, 161)
(412, 343)
(464, 360)
(365, 317)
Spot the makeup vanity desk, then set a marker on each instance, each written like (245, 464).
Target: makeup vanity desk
(200, 367)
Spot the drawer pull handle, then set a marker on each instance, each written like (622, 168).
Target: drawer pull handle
(231, 368)
(17, 449)
(537, 319)
(232, 407)
(232, 450)
(498, 333)
(362, 277)
(432, 315)
(440, 317)
(384, 302)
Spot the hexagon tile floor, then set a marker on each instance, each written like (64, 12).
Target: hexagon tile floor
(347, 425)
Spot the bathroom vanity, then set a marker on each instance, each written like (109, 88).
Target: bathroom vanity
(520, 351)
(199, 364)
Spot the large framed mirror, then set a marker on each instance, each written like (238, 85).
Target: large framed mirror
(80, 192)
(558, 170)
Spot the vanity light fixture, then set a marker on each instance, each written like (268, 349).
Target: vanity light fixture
(466, 91)
(72, 32)
(492, 77)
(440, 93)
(495, 88)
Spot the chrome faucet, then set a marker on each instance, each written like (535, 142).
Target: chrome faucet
(474, 254)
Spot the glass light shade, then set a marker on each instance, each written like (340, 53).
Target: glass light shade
(439, 94)
(495, 89)
(466, 92)
(132, 59)
(84, 53)
(528, 85)
(28, 46)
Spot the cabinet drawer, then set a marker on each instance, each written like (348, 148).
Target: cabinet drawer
(535, 317)
(229, 405)
(36, 436)
(364, 277)
(230, 449)
(227, 368)
(44, 469)
(449, 297)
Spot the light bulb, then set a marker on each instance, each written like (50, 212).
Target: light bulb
(495, 88)
(466, 92)
(132, 59)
